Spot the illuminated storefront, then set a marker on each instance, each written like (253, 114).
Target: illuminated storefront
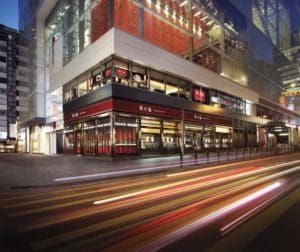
(118, 127)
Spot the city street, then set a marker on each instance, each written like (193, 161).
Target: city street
(191, 209)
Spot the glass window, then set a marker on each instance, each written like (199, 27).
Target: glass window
(125, 135)
(121, 71)
(82, 88)
(171, 86)
(67, 95)
(171, 137)
(103, 136)
(69, 139)
(107, 72)
(184, 89)
(98, 77)
(199, 94)
(150, 136)
(89, 138)
(157, 83)
(139, 76)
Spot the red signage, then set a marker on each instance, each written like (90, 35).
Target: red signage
(199, 95)
(89, 111)
(206, 119)
(107, 72)
(121, 72)
(145, 109)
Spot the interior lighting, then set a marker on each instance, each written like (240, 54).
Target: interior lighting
(205, 17)
(283, 134)
(183, 3)
(158, 5)
(197, 13)
(209, 22)
(166, 10)
(200, 31)
(174, 15)
(181, 20)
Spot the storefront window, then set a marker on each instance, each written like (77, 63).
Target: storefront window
(184, 89)
(69, 139)
(98, 77)
(108, 72)
(126, 135)
(82, 88)
(193, 138)
(171, 86)
(157, 83)
(223, 137)
(89, 138)
(121, 71)
(67, 95)
(103, 136)
(150, 136)
(171, 137)
(209, 137)
(78, 138)
(199, 94)
(139, 77)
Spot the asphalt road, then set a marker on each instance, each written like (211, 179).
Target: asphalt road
(170, 211)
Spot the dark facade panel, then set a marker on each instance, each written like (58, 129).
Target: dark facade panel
(90, 98)
(139, 95)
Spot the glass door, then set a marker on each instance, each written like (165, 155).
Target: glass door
(150, 136)
(125, 135)
(89, 138)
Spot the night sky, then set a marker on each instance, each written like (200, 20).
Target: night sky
(9, 13)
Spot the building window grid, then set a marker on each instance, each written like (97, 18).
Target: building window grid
(160, 82)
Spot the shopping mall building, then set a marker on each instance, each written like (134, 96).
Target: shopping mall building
(134, 77)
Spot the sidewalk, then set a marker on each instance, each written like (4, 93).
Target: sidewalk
(21, 171)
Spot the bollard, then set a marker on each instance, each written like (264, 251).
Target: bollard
(181, 159)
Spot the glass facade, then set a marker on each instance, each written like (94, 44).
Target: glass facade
(223, 36)
(129, 134)
(31, 37)
(239, 40)
(193, 31)
(117, 70)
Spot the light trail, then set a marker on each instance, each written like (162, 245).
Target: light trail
(207, 169)
(225, 177)
(166, 166)
(200, 223)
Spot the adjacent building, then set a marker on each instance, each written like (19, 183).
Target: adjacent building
(10, 96)
(152, 77)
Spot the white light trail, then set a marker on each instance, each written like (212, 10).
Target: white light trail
(139, 170)
(196, 225)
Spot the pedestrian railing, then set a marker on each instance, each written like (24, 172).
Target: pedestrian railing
(240, 153)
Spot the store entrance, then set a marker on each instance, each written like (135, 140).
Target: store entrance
(78, 142)
(150, 136)
(193, 138)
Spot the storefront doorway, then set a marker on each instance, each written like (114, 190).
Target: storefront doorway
(193, 139)
(150, 136)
